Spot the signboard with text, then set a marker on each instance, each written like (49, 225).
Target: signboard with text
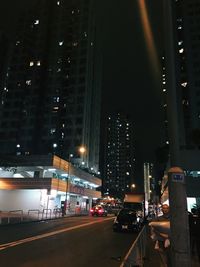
(178, 177)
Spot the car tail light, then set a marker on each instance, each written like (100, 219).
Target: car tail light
(91, 210)
(100, 211)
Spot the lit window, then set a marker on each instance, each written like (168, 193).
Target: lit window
(61, 43)
(38, 63)
(31, 63)
(53, 130)
(181, 51)
(36, 21)
(184, 84)
(28, 82)
(58, 3)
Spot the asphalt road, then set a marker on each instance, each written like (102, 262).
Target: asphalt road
(71, 242)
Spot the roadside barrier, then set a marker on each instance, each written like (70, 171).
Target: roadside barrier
(137, 252)
(33, 214)
(15, 216)
(46, 214)
(18, 216)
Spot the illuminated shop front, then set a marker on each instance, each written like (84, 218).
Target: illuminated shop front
(43, 182)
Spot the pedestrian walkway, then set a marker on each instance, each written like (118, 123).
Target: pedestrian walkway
(18, 216)
(155, 259)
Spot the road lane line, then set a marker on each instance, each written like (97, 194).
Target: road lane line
(37, 237)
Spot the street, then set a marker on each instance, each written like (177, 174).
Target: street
(73, 241)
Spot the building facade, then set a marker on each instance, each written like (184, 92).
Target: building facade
(51, 91)
(119, 156)
(44, 183)
(186, 58)
(181, 90)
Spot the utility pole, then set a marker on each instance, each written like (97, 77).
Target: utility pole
(67, 182)
(180, 245)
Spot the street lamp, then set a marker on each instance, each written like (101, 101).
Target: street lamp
(67, 181)
(133, 186)
(82, 151)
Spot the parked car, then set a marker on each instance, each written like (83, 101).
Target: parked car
(98, 210)
(127, 220)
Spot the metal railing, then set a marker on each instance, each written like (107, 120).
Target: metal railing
(18, 216)
(137, 252)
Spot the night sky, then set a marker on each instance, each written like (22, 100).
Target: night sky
(131, 81)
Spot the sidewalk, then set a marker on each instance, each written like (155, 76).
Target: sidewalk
(18, 216)
(155, 259)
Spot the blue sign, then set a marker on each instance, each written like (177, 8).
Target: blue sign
(178, 177)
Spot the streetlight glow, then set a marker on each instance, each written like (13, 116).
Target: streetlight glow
(133, 186)
(82, 149)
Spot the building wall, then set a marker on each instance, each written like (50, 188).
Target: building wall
(20, 200)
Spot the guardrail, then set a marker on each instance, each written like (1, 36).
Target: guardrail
(137, 253)
(18, 216)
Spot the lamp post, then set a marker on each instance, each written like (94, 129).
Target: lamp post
(67, 181)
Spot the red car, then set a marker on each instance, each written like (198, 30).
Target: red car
(98, 211)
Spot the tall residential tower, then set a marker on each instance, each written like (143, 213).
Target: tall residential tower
(51, 94)
(119, 157)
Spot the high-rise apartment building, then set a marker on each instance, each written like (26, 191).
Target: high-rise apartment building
(188, 57)
(51, 93)
(181, 81)
(119, 156)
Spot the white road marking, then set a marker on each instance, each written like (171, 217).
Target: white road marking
(37, 237)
